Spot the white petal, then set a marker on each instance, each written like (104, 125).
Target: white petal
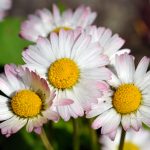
(11, 75)
(120, 52)
(112, 123)
(56, 14)
(126, 122)
(135, 123)
(103, 119)
(141, 69)
(5, 86)
(114, 81)
(145, 110)
(98, 110)
(51, 115)
(45, 49)
(64, 112)
(125, 68)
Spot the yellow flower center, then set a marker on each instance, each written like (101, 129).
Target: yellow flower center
(130, 146)
(127, 98)
(26, 103)
(56, 30)
(63, 73)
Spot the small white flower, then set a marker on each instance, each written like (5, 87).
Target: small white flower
(128, 100)
(110, 44)
(133, 141)
(72, 65)
(44, 22)
(4, 5)
(28, 101)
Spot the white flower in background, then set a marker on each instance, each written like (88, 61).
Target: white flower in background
(110, 44)
(28, 101)
(72, 65)
(4, 6)
(128, 100)
(43, 22)
(134, 141)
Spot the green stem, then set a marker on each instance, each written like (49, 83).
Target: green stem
(45, 140)
(76, 142)
(94, 138)
(122, 139)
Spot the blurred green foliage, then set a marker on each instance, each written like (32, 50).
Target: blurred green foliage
(11, 45)
(60, 135)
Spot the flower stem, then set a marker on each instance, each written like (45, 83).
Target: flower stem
(45, 140)
(122, 139)
(93, 134)
(76, 142)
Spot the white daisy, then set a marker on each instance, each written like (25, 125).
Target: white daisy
(110, 44)
(134, 141)
(27, 102)
(73, 66)
(128, 100)
(43, 22)
(4, 5)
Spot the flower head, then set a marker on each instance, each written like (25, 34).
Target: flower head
(44, 22)
(127, 101)
(133, 141)
(72, 65)
(28, 101)
(4, 5)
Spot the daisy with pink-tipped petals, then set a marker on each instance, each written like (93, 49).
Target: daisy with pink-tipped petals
(72, 65)
(43, 22)
(4, 6)
(127, 102)
(28, 101)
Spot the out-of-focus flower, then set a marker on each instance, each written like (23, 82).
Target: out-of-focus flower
(28, 101)
(73, 65)
(4, 6)
(128, 100)
(134, 141)
(43, 22)
(110, 44)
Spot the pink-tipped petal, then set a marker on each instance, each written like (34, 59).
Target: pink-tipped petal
(37, 130)
(63, 102)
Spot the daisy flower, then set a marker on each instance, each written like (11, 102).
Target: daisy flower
(128, 100)
(43, 22)
(134, 141)
(110, 43)
(72, 65)
(27, 102)
(4, 5)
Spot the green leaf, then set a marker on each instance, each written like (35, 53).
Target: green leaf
(11, 45)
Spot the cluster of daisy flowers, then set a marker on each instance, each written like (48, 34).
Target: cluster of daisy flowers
(74, 69)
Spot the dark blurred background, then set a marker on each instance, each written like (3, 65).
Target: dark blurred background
(129, 18)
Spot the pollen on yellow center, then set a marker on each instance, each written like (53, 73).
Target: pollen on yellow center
(26, 103)
(63, 73)
(126, 98)
(130, 146)
(56, 30)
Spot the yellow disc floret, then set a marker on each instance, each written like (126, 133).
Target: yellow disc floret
(63, 73)
(127, 98)
(56, 30)
(130, 146)
(26, 103)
